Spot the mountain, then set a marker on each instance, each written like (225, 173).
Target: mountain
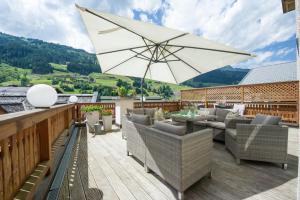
(37, 55)
(25, 61)
(223, 76)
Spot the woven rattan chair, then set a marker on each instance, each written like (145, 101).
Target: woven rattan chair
(258, 142)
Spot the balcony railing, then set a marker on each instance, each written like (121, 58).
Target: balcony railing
(169, 106)
(80, 115)
(279, 99)
(26, 140)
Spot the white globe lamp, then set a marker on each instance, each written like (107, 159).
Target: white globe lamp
(73, 99)
(41, 96)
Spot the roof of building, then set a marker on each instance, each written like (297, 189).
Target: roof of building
(13, 99)
(288, 5)
(272, 73)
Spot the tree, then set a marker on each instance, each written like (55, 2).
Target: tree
(122, 91)
(24, 80)
(41, 67)
(165, 91)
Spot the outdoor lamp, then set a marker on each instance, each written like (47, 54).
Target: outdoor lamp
(73, 99)
(41, 96)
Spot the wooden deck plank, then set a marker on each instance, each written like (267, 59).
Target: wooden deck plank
(121, 177)
(131, 166)
(89, 184)
(119, 187)
(119, 145)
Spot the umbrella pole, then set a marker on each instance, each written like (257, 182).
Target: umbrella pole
(142, 98)
(143, 79)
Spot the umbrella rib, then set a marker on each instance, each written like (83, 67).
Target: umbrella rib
(97, 15)
(146, 45)
(125, 61)
(208, 49)
(173, 38)
(170, 69)
(162, 50)
(124, 49)
(167, 41)
(185, 62)
(171, 53)
(150, 61)
(140, 54)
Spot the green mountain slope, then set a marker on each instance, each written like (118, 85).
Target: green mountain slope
(26, 61)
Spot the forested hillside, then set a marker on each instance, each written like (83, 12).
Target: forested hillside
(37, 55)
(24, 62)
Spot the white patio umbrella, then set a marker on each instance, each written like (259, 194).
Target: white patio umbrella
(134, 48)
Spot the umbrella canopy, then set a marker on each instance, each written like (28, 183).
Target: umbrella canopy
(133, 48)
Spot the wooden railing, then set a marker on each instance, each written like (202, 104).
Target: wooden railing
(80, 115)
(169, 106)
(26, 139)
(280, 99)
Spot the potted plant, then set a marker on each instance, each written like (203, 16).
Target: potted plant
(107, 120)
(92, 114)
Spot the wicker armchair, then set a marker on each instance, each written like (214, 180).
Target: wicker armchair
(135, 136)
(259, 142)
(179, 160)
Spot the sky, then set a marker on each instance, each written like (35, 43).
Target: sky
(256, 26)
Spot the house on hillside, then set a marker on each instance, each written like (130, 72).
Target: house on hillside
(271, 74)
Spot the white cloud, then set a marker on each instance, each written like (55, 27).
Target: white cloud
(149, 6)
(285, 51)
(58, 21)
(144, 17)
(265, 58)
(244, 24)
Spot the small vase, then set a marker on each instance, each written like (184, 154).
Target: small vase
(107, 122)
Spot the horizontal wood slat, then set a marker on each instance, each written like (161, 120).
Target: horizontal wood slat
(169, 106)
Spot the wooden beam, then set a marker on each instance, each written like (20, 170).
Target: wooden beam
(44, 129)
(288, 5)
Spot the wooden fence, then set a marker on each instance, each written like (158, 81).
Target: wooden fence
(169, 106)
(80, 115)
(26, 140)
(279, 99)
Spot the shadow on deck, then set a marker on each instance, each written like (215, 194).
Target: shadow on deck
(100, 169)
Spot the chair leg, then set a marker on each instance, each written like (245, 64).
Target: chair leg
(147, 170)
(180, 195)
(238, 161)
(209, 175)
(127, 152)
(284, 166)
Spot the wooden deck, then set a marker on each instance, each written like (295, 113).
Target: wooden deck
(100, 167)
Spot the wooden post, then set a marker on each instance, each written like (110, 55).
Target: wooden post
(206, 103)
(44, 129)
(242, 95)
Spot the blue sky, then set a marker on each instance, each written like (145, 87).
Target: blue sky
(257, 26)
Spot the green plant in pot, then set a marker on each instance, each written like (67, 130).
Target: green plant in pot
(107, 119)
(92, 114)
(122, 92)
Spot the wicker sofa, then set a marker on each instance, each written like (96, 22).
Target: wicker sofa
(179, 159)
(262, 139)
(139, 111)
(215, 120)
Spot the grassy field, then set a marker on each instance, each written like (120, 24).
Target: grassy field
(60, 72)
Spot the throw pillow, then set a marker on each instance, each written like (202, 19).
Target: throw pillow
(266, 119)
(170, 128)
(159, 115)
(140, 119)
